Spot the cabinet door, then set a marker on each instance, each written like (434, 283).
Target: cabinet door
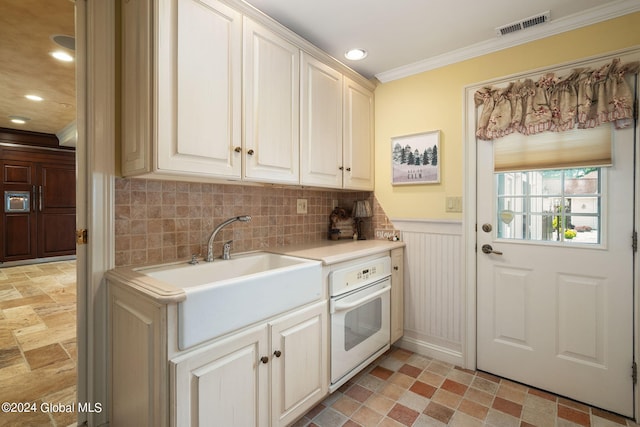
(358, 136)
(138, 383)
(299, 371)
(19, 229)
(198, 88)
(320, 124)
(56, 205)
(271, 106)
(225, 384)
(397, 294)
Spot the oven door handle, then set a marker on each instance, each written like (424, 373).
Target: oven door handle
(336, 305)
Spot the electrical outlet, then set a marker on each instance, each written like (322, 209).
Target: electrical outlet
(301, 206)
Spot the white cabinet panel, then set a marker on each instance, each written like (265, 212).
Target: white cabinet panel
(224, 385)
(182, 81)
(320, 124)
(199, 89)
(358, 136)
(271, 105)
(397, 294)
(299, 363)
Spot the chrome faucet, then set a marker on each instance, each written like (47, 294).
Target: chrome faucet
(227, 246)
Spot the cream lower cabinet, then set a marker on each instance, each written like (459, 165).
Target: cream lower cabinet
(268, 375)
(397, 294)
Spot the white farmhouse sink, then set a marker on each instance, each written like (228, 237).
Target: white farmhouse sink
(226, 295)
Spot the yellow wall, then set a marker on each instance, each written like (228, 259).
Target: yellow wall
(434, 100)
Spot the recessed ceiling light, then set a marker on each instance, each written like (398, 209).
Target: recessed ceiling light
(34, 97)
(19, 120)
(67, 42)
(62, 56)
(355, 54)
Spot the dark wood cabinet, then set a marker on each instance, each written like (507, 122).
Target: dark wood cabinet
(45, 226)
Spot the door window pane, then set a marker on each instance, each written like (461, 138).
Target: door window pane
(550, 205)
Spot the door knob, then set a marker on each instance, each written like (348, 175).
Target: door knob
(487, 249)
(486, 228)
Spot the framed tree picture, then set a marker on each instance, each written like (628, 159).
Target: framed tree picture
(415, 159)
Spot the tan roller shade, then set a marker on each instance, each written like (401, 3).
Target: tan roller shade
(553, 150)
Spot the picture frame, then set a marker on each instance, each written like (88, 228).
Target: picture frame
(416, 158)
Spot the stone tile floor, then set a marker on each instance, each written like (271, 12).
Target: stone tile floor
(38, 350)
(406, 389)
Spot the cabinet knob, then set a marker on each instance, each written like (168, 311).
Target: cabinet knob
(264, 359)
(341, 168)
(396, 268)
(237, 149)
(250, 152)
(348, 169)
(277, 353)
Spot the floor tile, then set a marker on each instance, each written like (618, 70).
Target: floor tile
(574, 415)
(365, 417)
(441, 394)
(38, 349)
(380, 403)
(359, 393)
(439, 412)
(402, 414)
(473, 409)
(507, 406)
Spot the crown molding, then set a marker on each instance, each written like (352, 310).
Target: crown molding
(551, 28)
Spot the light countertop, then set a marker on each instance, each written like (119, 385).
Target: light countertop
(327, 251)
(334, 251)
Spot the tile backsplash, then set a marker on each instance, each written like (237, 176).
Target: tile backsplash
(162, 221)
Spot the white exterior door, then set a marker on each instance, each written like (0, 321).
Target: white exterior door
(555, 307)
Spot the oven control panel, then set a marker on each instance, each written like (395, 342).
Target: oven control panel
(359, 275)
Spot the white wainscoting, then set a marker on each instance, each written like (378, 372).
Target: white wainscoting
(433, 288)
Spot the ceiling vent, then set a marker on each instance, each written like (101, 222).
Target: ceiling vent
(523, 24)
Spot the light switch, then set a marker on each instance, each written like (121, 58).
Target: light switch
(454, 204)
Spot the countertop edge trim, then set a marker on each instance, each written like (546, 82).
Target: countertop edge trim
(146, 286)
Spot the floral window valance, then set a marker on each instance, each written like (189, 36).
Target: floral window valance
(585, 98)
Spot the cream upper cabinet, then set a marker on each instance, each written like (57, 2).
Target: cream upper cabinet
(357, 136)
(181, 83)
(320, 124)
(336, 129)
(215, 91)
(271, 75)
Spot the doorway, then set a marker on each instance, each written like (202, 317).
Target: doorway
(555, 277)
(38, 301)
(537, 289)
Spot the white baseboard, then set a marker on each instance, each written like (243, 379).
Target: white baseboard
(431, 350)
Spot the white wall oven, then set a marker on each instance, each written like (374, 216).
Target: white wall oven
(360, 319)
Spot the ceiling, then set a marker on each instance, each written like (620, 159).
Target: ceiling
(408, 37)
(26, 66)
(399, 33)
